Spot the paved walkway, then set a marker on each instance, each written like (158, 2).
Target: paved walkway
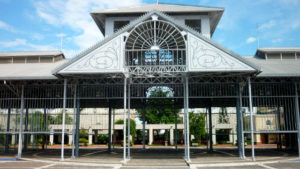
(151, 158)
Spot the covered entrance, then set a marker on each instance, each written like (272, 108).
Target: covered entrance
(158, 83)
(159, 72)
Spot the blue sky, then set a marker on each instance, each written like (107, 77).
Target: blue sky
(29, 25)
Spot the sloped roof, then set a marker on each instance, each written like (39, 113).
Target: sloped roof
(276, 67)
(31, 53)
(214, 13)
(169, 19)
(29, 71)
(279, 49)
(160, 7)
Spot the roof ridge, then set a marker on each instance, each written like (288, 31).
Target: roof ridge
(160, 3)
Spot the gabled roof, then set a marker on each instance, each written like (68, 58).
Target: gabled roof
(173, 8)
(214, 13)
(32, 53)
(279, 49)
(165, 17)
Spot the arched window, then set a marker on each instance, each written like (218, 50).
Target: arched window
(153, 46)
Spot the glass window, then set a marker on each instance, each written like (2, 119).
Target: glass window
(119, 24)
(194, 23)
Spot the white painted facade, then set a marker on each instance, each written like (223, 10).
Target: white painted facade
(205, 23)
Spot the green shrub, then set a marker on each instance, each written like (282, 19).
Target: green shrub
(131, 143)
(103, 138)
(196, 141)
(132, 126)
(84, 141)
(40, 140)
(1, 139)
(83, 133)
(248, 142)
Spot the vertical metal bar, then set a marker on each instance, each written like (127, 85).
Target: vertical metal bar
(184, 116)
(109, 127)
(279, 126)
(129, 113)
(114, 113)
(44, 128)
(297, 116)
(251, 119)
(74, 121)
(144, 127)
(187, 118)
(26, 129)
(7, 130)
(124, 120)
(238, 118)
(77, 122)
(63, 121)
(21, 124)
(206, 110)
(242, 121)
(175, 134)
(210, 128)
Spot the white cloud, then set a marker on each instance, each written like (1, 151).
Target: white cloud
(75, 14)
(9, 44)
(267, 25)
(295, 24)
(37, 36)
(7, 27)
(251, 40)
(290, 2)
(39, 47)
(23, 43)
(60, 35)
(278, 40)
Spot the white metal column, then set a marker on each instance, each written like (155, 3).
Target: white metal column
(297, 116)
(184, 121)
(63, 121)
(251, 119)
(74, 122)
(21, 124)
(186, 112)
(128, 132)
(242, 120)
(124, 121)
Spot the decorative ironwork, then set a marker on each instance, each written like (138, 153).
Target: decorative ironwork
(155, 47)
(104, 59)
(206, 57)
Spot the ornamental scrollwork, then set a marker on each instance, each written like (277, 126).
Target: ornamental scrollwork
(208, 58)
(106, 57)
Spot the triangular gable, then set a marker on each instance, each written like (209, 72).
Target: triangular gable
(105, 59)
(204, 57)
(107, 56)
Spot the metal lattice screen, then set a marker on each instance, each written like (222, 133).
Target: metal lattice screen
(155, 46)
